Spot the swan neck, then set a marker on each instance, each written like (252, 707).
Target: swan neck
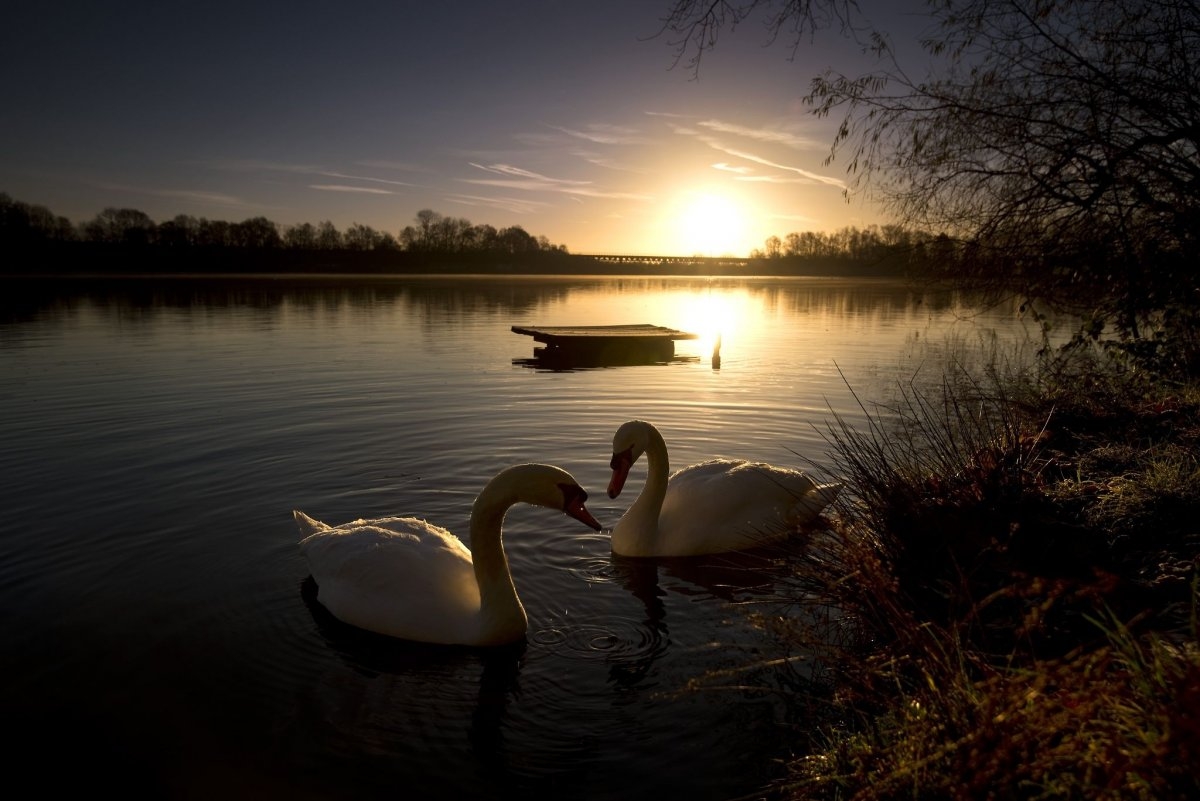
(500, 608)
(636, 534)
(658, 467)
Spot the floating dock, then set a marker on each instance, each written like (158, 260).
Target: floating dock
(605, 344)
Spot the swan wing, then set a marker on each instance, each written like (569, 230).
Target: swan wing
(400, 576)
(725, 505)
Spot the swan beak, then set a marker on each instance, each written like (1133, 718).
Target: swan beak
(620, 464)
(577, 510)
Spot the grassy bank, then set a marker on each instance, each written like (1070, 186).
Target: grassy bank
(1006, 603)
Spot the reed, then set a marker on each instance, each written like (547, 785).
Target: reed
(1005, 602)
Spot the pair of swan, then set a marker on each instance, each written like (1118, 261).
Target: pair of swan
(410, 579)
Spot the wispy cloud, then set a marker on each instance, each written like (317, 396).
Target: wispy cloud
(401, 166)
(575, 191)
(511, 177)
(603, 134)
(187, 195)
(366, 190)
(511, 204)
(258, 165)
(771, 135)
(607, 162)
(705, 131)
(801, 218)
(251, 165)
(367, 178)
(800, 171)
(796, 174)
(198, 196)
(526, 175)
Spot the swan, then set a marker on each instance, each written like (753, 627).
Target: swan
(407, 578)
(711, 507)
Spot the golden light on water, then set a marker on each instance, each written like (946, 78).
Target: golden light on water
(710, 315)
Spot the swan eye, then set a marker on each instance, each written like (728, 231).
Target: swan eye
(622, 460)
(573, 496)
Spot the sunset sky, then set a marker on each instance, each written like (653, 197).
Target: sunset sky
(565, 118)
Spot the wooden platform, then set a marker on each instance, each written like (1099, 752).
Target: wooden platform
(605, 344)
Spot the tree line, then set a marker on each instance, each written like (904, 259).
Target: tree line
(906, 247)
(23, 224)
(887, 249)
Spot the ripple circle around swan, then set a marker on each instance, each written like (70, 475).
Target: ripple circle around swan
(595, 569)
(619, 639)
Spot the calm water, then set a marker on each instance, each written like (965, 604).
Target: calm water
(160, 637)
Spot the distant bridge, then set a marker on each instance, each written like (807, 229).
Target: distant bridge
(705, 261)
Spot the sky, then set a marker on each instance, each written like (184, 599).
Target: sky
(568, 118)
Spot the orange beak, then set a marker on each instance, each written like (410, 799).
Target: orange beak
(578, 511)
(620, 464)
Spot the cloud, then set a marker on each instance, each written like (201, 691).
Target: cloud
(800, 171)
(804, 176)
(256, 165)
(198, 196)
(720, 165)
(804, 218)
(768, 136)
(364, 178)
(251, 165)
(606, 162)
(402, 166)
(603, 134)
(510, 204)
(771, 135)
(518, 172)
(187, 195)
(527, 181)
(367, 190)
(576, 191)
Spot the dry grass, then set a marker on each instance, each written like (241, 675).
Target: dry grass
(1009, 595)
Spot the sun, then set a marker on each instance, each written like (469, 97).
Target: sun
(709, 224)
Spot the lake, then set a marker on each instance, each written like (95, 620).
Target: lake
(161, 637)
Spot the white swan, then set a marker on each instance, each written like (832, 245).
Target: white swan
(407, 578)
(711, 507)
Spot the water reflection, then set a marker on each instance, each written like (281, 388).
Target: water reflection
(706, 305)
(734, 578)
(395, 671)
(567, 361)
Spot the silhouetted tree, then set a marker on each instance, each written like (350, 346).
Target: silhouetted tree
(301, 237)
(516, 240)
(215, 233)
(1060, 138)
(180, 231)
(256, 232)
(328, 237)
(487, 237)
(774, 247)
(360, 237)
(22, 223)
(128, 227)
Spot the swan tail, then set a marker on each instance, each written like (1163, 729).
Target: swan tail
(307, 525)
(812, 503)
(828, 493)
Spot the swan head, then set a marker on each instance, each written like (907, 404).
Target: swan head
(629, 443)
(550, 486)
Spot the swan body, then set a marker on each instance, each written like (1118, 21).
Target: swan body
(407, 578)
(711, 507)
